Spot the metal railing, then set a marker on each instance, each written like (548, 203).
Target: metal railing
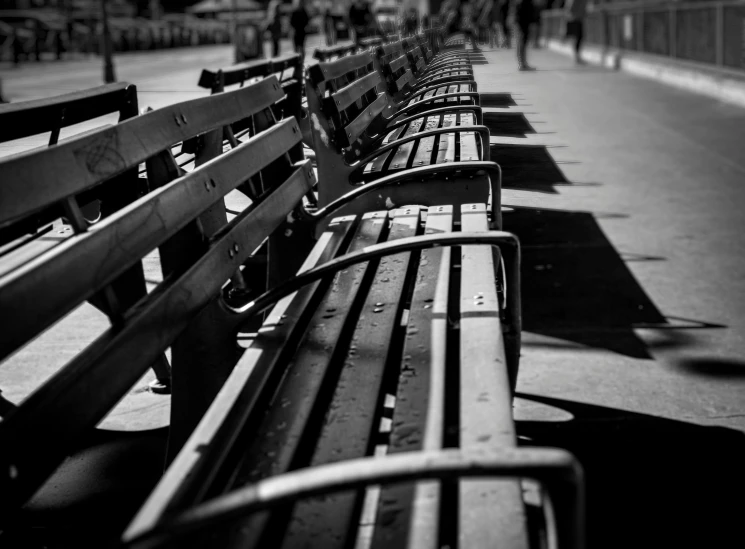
(706, 32)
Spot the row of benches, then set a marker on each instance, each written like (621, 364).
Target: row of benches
(375, 304)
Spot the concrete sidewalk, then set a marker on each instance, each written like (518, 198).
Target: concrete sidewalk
(627, 196)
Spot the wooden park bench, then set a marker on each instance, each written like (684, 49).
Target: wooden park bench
(51, 116)
(380, 340)
(184, 217)
(443, 156)
(409, 94)
(389, 358)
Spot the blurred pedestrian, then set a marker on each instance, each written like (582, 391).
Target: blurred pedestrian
(411, 22)
(500, 13)
(299, 20)
(361, 19)
(538, 7)
(576, 11)
(468, 22)
(524, 18)
(274, 24)
(329, 27)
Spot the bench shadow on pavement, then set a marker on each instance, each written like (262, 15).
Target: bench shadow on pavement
(651, 482)
(578, 288)
(497, 100)
(527, 167)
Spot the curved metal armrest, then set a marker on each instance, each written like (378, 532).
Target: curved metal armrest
(556, 469)
(432, 71)
(483, 131)
(507, 243)
(476, 109)
(452, 80)
(492, 168)
(454, 95)
(436, 86)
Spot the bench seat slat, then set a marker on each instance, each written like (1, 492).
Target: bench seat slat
(190, 475)
(316, 362)
(358, 126)
(408, 512)
(491, 511)
(349, 433)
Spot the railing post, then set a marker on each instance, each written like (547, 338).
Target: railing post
(719, 34)
(640, 31)
(673, 31)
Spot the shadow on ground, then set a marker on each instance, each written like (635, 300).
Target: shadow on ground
(507, 124)
(578, 287)
(497, 100)
(651, 482)
(526, 167)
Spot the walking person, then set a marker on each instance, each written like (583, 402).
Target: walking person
(274, 25)
(361, 19)
(524, 18)
(329, 27)
(502, 8)
(468, 22)
(299, 21)
(576, 11)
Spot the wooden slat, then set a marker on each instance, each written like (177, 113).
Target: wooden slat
(358, 126)
(491, 512)
(317, 362)
(351, 423)
(398, 63)
(334, 69)
(235, 74)
(424, 154)
(353, 92)
(101, 374)
(35, 180)
(191, 473)
(400, 159)
(468, 141)
(90, 261)
(446, 144)
(409, 514)
(18, 120)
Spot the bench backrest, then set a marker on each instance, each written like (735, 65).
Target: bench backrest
(347, 93)
(334, 52)
(288, 69)
(51, 115)
(184, 216)
(19, 120)
(394, 66)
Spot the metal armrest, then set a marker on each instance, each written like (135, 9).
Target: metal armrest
(476, 109)
(556, 469)
(454, 95)
(429, 87)
(507, 243)
(483, 131)
(492, 168)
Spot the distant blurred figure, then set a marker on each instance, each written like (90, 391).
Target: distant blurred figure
(411, 22)
(468, 21)
(274, 25)
(500, 11)
(329, 28)
(576, 11)
(524, 18)
(299, 19)
(361, 19)
(538, 7)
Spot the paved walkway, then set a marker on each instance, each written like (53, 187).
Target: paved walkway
(627, 196)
